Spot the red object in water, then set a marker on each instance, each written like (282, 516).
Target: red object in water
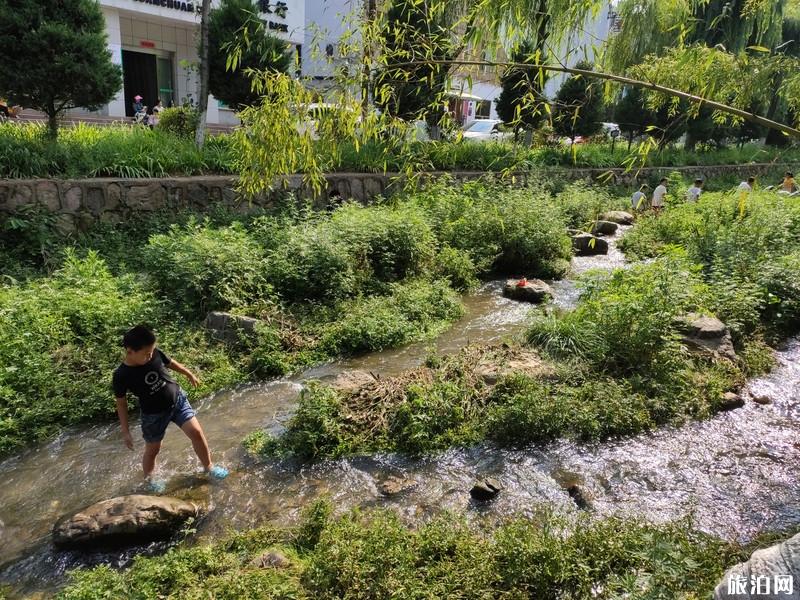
(522, 282)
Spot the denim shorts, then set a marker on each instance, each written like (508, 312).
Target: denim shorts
(154, 425)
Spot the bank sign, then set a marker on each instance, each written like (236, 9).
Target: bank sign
(174, 4)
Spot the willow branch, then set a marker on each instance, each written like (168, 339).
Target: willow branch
(747, 116)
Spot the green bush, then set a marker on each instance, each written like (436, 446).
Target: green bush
(510, 231)
(624, 322)
(203, 268)
(457, 267)
(179, 121)
(411, 312)
(389, 243)
(312, 265)
(781, 281)
(583, 204)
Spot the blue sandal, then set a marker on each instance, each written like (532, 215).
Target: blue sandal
(217, 472)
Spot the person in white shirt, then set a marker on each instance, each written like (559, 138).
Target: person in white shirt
(658, 195)
(693, 193)
(747, 186)
(639, 198)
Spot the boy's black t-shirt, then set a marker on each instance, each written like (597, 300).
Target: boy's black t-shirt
(151, 383)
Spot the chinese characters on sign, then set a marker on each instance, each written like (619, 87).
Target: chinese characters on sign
(279, 9)
(760, 585)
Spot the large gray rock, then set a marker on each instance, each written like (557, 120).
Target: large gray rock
(706, 335)
(126, 519)
(350, 381)
(485, 490)
(527, 290)
(229, 328)
(604, 228)
(766, 567)
(585, 244)
(620, 217)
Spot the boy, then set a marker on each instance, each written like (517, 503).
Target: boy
(693, 193)
(747, 186)
(143, 372)
(639, 199)
(658, 195)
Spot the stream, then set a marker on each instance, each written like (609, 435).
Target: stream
(736, 473)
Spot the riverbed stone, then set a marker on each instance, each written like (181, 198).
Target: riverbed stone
(393, 486)
(770, 566)
(586, 244)
(350, 381)
(604, 228)
(485, 490)
(126, 519)
(579, 497)
(527, 290)
(731, 400)
(620, 217)
(271, 559)
(761, 399)
(229, 328)
(706, 335)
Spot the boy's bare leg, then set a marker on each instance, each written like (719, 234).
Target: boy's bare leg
(151, 450)
(195, 433)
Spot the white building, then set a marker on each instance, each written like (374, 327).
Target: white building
(155, 42)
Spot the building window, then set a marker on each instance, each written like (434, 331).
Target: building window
(483, 109)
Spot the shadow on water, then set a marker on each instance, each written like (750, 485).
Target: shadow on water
(736, 473)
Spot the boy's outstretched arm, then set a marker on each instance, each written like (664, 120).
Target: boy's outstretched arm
(122, 412)
(179, 368)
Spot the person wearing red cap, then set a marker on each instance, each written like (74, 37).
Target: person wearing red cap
(139, 110)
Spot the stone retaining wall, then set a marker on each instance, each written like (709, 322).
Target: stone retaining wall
(77, 204)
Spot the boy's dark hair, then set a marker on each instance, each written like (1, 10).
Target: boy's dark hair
(698, 182)
(751, 180)
(138, 337)
(664, 180)
(644, 187)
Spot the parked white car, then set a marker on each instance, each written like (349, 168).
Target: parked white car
(484, 130)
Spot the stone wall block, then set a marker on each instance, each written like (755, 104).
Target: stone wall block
(47, 195)
(21, 195)
(96, 200)
(113, 197)
(146, 197)
(73, 198)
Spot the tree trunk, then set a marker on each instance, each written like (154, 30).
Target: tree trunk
(52, 122)
(200, 134)
(371, 9)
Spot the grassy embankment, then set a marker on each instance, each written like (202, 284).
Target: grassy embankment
(126, 151)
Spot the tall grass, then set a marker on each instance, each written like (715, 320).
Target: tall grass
(133, 151)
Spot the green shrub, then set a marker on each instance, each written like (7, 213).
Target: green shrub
(510, 231)
(624, 322)
(203, 268)
(180, 121)
(781, 281)
(312, 265)
(457, 267)
(389, 243)
(583, 204)
(412, 311)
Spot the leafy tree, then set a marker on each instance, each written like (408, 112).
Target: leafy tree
(55, 56)
(579, 105)
(264, 52)
(413, 32)
(521, 103)
(632, 114)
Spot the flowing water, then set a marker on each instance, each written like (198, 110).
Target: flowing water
(736, 473)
